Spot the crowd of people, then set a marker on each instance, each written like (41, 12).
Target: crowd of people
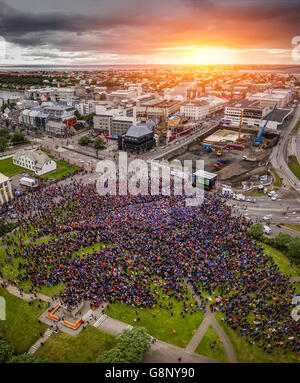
(152, 245)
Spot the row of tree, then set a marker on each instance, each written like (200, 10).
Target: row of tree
(131, 347)
(283, 241)
(98, 143)
(8, 354)
(6, 138)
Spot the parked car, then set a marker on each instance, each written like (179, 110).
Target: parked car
(267, 217)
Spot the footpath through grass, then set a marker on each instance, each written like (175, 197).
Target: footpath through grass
(212, 346)
(247, 353)
(83, 348)
(23, 329)
(171, 329)
(294, 166)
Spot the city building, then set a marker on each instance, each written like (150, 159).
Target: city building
(5, 189)
(155, 108)
(253, 113)
(121, 124)
(102, 121)
(139, 138)
(197, 110)
(272, 97)
(35, 160)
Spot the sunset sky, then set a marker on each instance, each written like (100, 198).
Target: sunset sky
(148, 31)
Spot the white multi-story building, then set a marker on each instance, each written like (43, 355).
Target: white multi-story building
(197, 110)
(5, 189)
(35, 160)
(252, 113)
(203, 107)
(271, 97)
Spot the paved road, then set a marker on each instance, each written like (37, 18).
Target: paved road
(278, 156)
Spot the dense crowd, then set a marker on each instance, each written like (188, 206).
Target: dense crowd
(152, 244)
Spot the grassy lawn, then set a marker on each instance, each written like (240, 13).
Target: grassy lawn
(61, 171)
(281, 260)
(254, 193)
(23, 329)
(294, 166)
(247, 353)
(217, 352)
(8, 168)
(164, 324)
(83, 348)
(277, 180)
(293, 226)
(296, 127)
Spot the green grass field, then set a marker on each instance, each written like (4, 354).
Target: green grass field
(164, 324)
(62, 170)
(23, 329)
(247, 353)
(8, 168)
(83, 348)
(296, 127)
(217, 352)
(281, 260)
(293, 226)
(277, 180)
(294, 166)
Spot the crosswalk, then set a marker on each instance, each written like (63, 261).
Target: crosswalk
(87, 315)
(100, 320)
(37, 345)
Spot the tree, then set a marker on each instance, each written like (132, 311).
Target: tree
(282, 241)
(131, 347)
(294, 249)
(27, 358)
(6, 351)
(256, 230)
(84, 140)
(4, 132)
(18, 138)
(3, 143)
(98, 144)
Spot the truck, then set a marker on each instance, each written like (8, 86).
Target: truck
(29, 182)
(235, 146)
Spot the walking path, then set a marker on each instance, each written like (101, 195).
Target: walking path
(38, 343)
(28, 297)
(210, 319)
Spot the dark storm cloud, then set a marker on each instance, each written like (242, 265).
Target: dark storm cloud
(142, 27)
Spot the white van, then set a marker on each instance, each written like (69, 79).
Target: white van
(267, 229)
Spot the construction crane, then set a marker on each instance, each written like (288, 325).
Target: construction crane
(258, 139)
(240, 127)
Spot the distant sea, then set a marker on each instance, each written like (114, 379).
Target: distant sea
(63, 68)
